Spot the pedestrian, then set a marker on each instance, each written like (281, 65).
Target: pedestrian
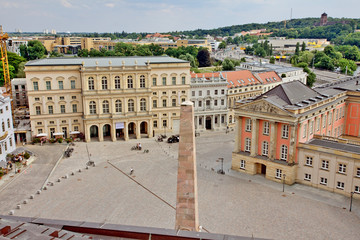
(139, 146)
(131, 171)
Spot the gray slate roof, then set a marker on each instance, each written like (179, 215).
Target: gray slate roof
(335, 145)
(104, 61)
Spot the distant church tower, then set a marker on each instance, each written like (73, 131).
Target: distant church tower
(323, 20)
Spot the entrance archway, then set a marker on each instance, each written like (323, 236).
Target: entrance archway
(132, 130)
(143, 128)
(94, 132)
(107, 132)
(208, 123)
(260, 169)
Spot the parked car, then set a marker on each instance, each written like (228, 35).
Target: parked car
(173, 139)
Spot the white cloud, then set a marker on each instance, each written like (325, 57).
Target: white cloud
(66, 4)
(110, 5)
(9, 5)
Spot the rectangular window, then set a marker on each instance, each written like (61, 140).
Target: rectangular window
(164, 123)
(357, 189)
(216, 92)
(91, 84)
(173, 102)
(154, 81)
(49, 98)
(164, 102)
(278, 173)
(342, 168)
(340, 185)
(62, 108)
(73, 97)
(51, 109)
(242, 164)
(48, 85)
(215, 102)
(222, 102)
(155, 124)
(311, 127)
(330, 118)
(61, 85)
(183, 80)
(309, 161)
(72, 83)
(38, 110)
(200, 103)
(154, 103)
(247, 144)
(266, 129)
(323, 181)
(193, 93)
(200, 93)
(173, 80)
(74, 108)
(164, 81)
(62, 97)
(36, 86)
(208, 92)
(307, 177)
(222, 91)
(285, 131)
(317, 124)
(325, 165)
(265, 148)
(358, 172)
(304, 130)
(248, 125)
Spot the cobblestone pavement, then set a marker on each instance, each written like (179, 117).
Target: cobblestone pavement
(233, 203)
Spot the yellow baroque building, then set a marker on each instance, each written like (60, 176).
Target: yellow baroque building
(111, 98)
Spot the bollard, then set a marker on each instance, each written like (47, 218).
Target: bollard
(38, 191)
(79, 170)
(11, 212)
(66, 176)
(31, 196)
(72, 173)
(59, 180)
(18, 206)
(25, 201)
(45, 188)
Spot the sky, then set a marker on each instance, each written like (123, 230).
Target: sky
(159, 15)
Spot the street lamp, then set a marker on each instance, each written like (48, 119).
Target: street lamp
(351, 198)
(221, 171)
(284, 182)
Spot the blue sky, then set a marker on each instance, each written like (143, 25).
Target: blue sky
(159, 15)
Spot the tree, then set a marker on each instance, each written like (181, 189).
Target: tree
(310, 79)
(190, 58)
(325, 63)
(228, 65)
(203, 58)
(83, 53)
(156, 50)
(54, 54)
(306, 57)
(297, 49)
(347, 66)
(33, 50)
(15, 60)
(272, 60)
(303, 47)
(11, 71)
(21, 72)
(222, 45)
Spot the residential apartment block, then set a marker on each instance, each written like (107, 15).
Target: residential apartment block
(278, 134)
(209, 95)
(106, 98)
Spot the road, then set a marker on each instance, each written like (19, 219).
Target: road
(31, 179)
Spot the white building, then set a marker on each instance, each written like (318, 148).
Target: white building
(208, 93)
(7, 140)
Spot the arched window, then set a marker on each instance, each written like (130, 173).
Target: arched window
(131, 105)
(130, 82)
(143, 104)
(265, 148)
(92, 107)
(8, 123)
(104, 84)
(91, 84)
(105, 106)
(284, 152)
(230, 119)
(142, 81)
(117, 82)
(3, 126)
(118, 106)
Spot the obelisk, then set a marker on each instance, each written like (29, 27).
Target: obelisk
(186, 200)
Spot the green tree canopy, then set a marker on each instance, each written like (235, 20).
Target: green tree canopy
(203, 58)
(33, 50)
(228, 65)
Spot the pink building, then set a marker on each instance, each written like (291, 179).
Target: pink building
(273, 127)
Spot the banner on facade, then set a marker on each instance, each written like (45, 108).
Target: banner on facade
(119, 125)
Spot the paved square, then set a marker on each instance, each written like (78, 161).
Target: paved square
(233, 203)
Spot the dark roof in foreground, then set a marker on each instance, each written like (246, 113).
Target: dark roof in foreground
(335, 145)
(40, 228)
(104, 61)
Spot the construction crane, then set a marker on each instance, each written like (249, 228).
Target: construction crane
(5, 63)
(4, 59)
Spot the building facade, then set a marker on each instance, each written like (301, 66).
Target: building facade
(19, 92)
(209, 96)
(106, 98)
(275, 131)
(7, 140)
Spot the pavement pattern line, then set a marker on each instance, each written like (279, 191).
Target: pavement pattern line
(154, 194)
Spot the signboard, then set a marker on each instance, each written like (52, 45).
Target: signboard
(119, 125)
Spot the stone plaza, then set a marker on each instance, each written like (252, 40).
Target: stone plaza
(234, 203)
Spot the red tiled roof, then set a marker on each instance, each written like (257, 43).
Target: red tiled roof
(240, 78)
(205, 75)
(269, 77)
